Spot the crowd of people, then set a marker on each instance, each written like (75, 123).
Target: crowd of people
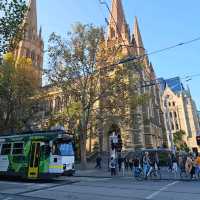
(188, 164)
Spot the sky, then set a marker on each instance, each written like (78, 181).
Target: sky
(163, 23)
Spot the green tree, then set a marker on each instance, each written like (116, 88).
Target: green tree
(17, 86)
(11, 29)
(79, 66)
(178, 141)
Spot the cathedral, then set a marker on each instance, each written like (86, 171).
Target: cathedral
(145, 126)
(32, 44)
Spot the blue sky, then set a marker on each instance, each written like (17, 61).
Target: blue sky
(162, 23)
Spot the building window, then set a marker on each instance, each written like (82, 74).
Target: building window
(169, 104)
(170, 114)
(175, 115)
(173, 103)
(172, 126)
(112, 33)
(58, 104)
(33, 56)
(50, 105)
(28, 54)
(177, 126)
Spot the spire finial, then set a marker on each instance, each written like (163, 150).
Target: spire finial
(117, 22)
(31, 16)
(138, 38)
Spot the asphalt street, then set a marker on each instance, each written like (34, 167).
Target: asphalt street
(84, 188)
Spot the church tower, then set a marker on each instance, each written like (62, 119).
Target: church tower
(138, 39)
(142, 127)
(32, 44)
(118, 29)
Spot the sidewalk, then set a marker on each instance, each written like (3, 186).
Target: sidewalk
(105, 173)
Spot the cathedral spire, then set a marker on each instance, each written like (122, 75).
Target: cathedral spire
(31, 46)
(138, 38)
(31, 17)
(118, 27)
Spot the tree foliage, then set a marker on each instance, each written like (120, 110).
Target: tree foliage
(80, 66)
(17, 86)
(179, 142)
(11, 30)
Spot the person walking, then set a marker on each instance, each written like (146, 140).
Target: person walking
(189, 166)
(126, 163)
(136, 164)
(181, 164)
(113, 166)
(169, 162)
(146, 164)
(119, 163)
(157, 161)
(174, 165)
(98, 162)
(197, 163)
(130, 163)
(123, 167)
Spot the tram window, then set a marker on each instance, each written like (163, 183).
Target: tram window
(6, 149)
(18, 148)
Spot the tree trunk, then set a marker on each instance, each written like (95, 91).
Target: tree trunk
(83, 149)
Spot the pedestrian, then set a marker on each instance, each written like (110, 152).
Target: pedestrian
(123, 166)
(119, 163)
(146, 164)
(174, 165)
(181, 164)
(126, 163)
(98, 162)
(136, 164)
(189, 166)
(197, 163)
(130, 163)
(157, 161)
(169, 162)
(113, 166)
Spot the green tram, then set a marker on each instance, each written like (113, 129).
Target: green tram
(37, 155)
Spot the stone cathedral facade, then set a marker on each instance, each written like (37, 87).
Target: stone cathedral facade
(146, 125)
(31, 46)
(145, 129)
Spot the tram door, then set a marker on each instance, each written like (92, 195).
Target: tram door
(33, 170)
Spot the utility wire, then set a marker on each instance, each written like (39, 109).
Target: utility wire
(137, 58)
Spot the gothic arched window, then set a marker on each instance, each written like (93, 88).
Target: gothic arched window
(112, 33)
(28, 53)
(33, 56)
(57, 104)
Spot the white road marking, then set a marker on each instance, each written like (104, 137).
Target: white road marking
(160, 190)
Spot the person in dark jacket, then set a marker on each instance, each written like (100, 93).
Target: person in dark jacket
(120, 160)
(98, 162)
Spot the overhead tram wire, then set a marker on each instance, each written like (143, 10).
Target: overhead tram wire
(129, 59)
(158, 51)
